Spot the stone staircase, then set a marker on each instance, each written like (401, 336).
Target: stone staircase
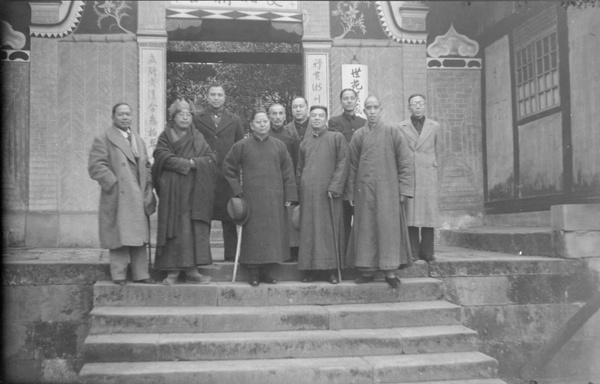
(290, 332)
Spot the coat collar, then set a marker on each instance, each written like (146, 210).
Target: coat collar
(411, 132)
(121, 142)
(205, 118)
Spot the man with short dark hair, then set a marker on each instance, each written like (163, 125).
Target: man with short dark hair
(321, 174)
(221, 129)
(424, 140)
(119, 163)
(379, 181)
(347, 123)
(290, 138)
(300, 115)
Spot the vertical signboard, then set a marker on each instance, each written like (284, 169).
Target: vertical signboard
(356, 76)
(152, 95)
(317, 68)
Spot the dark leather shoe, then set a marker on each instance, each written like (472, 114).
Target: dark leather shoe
(254, 281)
(364, 279)
(333, 279)
(267, 279)
(394, 282)
(146, 281)
(120, 282)
(309, 277)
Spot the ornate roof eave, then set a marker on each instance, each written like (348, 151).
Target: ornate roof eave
(64, 27)
(391, 17)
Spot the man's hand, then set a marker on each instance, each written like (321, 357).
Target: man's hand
(351, 203)
(402, 198)
(332, 194)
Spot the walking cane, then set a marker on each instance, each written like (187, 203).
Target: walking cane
(149, 250)
(237, 251)
(335, 240)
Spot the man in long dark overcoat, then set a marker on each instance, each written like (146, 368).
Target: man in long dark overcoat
(347, 123)
(119, 163)
(221, 129)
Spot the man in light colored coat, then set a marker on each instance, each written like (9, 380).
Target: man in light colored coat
(424, 140)
(119, 163)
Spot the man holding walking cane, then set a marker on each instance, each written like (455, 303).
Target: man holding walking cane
(321, 174)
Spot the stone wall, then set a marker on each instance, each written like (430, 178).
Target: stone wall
(49, 198)
(517, 307)
(47, 296)
(454, 100)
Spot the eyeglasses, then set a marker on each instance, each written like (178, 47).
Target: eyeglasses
(417, 103)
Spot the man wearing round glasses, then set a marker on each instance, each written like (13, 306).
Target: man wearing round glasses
(424, 140)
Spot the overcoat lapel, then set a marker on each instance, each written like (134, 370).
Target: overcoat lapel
(425, 132)
(207, 121)
(410, 131)
(225, 121)
(122, 143)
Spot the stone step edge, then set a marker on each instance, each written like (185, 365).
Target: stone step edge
(277, 369)
(279, 344)
(117, 310)
(464, 381)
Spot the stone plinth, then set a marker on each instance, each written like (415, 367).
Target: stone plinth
(576, 230)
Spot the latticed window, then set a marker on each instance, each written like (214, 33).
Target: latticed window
(536, 64)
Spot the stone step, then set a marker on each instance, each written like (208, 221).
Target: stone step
(283, 293)
(288, 271)
(461, 262)
(369, 369)
(272, 345)
(534, 241)
(146, 319)
(472, 381)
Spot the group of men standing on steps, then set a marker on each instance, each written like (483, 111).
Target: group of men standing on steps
(367, 189)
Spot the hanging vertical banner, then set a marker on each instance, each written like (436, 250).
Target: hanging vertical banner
(152, 95)
(317, 73)
(356, 76)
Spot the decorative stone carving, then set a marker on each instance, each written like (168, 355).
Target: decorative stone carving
(69, 16)
(12, 38)
(403, 21)
(453, 44)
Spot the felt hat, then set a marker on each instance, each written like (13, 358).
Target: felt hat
(238, 210)
(296, 217)
(179, 105)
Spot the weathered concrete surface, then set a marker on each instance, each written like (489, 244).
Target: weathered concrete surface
(535, 241)
(285, 344)
(433, 366)
(575, 244)
(576, 217)
(120, 319)
(283, 293)
(47, 294)
(523, 302)
(371, 369)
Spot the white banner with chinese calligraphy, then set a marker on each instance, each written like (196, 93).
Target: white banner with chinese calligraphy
(356, 76)
(152, 95)
(317, 75)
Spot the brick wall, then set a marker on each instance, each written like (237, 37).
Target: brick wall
(454, 99)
